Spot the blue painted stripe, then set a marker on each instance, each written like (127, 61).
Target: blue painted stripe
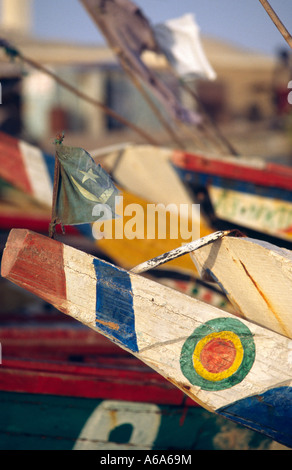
(114, 304)
(205, 180)
(270, 413)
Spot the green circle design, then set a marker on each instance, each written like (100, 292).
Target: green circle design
(215, 326)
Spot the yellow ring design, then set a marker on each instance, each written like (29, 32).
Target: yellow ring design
(215, 377)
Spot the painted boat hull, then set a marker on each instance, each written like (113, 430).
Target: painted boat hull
(66, 423)
(246, 378)
(84, 393)
(248, 194)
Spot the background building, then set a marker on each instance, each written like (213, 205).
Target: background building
(36, 108)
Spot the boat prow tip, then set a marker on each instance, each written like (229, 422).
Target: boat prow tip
(14, 244)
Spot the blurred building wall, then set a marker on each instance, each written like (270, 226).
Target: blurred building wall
(242, 90)
(17, 15)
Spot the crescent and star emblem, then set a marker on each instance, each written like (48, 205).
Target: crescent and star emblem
(89, 175)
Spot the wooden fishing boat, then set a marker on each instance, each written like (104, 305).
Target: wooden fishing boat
(231, 192)
(228, 365)
(251, 194)
(84, 392)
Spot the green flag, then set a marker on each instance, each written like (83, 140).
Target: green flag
(82, 185)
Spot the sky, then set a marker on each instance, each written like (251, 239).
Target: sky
(242, 22)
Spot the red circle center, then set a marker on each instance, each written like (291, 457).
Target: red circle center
(218, 355)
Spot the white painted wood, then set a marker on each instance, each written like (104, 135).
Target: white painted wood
(80, 285)
(144, 417)
(256, 277)
(179, 251)
(146, 171)
(164, 324)
(164, 319)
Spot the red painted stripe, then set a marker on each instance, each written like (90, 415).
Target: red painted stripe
(12, 167)
(58, 339)
(105, 370)
(271, 176)
(31, 222)
(112, 383)
(47, 279)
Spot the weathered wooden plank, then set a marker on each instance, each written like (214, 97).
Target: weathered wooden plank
(177, 252)
(228, 365)
(200, 290)
(256, 276)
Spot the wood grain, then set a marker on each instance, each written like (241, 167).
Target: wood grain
(256, 277)
(249, 375)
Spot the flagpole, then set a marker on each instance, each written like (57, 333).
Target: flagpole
(278, 23)
(52, 227)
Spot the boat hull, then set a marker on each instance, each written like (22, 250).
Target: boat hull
(227, 365)
(85, 393)
(251, 194)
(76, 423)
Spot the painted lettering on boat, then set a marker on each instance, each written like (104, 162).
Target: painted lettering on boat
(256, 211)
